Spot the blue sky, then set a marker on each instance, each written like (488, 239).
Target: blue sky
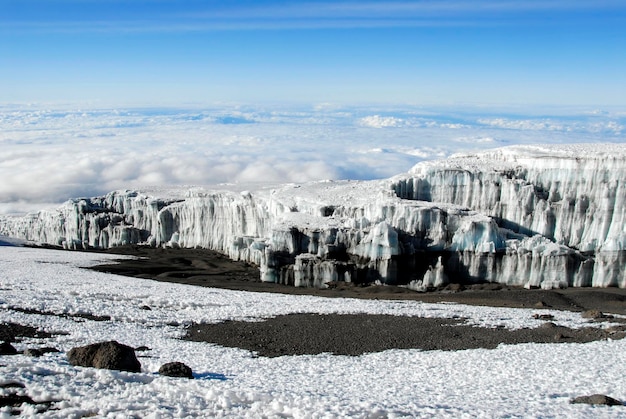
(526, 52)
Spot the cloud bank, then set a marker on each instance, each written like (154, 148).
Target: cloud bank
(50, 155)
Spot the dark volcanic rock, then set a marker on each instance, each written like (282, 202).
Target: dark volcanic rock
(40, 351)
(543, 316)
(14, 401)
(597, 399)
(12, 384)
(34, 352)
(10, 331)
(7, 349)
(176, 369)
(107, 355)
(595, 314)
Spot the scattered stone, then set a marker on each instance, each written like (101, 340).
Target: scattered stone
(36, 352)
(107, 355)
(142, 349)
(9, 332)
(543, 316)
(15, 400)
(176, 369)
(33, 352)
(454, 287)
(548, 325)
(593, 314)
(7, 349)
(597, 399)
(145, 307)
(12, 384)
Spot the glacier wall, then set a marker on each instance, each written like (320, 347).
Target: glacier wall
(578, 200)
(527, 216)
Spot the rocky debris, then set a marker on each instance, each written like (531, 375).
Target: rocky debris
(37, 352)
(10, 331)
(176, 369)
(12, 384)
(7, 349)
(144, 307)
(454, 287)
(34, 352)
(142, 348)
(543, 316)
(110, 355)
(597, 399)
(15, 400)
(595, 315)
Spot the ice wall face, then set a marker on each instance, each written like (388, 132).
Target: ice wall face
(571, 195)
(575, 197)
(522, 216)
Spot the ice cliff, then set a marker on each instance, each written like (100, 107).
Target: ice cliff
(530, 216)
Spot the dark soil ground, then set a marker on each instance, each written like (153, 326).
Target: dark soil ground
(211, 269)
(356, 334)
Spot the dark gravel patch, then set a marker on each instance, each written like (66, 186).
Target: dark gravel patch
(356, 334)
(199, 267)
(208, 268)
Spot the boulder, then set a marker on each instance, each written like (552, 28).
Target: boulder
(597, 399)
(595, 314)
(7, 349)
(107, 355)
(176, 369)
(34, 352)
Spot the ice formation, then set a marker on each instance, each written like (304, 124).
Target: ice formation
(534, 216)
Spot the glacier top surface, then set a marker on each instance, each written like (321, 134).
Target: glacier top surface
(545, 155)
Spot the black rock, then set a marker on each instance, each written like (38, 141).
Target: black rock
(593, 314)
(7, 349)
(597, 399)
(12, 384)
(107, 355)
(33, 352)
(176, 369)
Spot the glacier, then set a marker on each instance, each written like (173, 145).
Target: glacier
(533, 216)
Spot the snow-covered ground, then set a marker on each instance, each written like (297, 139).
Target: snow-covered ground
(529, 380)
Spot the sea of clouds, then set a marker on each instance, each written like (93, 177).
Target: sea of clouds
(51, 154)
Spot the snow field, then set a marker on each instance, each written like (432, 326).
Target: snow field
(529, 380)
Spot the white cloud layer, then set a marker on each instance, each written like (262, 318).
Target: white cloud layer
(49, 156)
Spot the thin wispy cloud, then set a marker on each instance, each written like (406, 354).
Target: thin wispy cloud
(167, 16)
